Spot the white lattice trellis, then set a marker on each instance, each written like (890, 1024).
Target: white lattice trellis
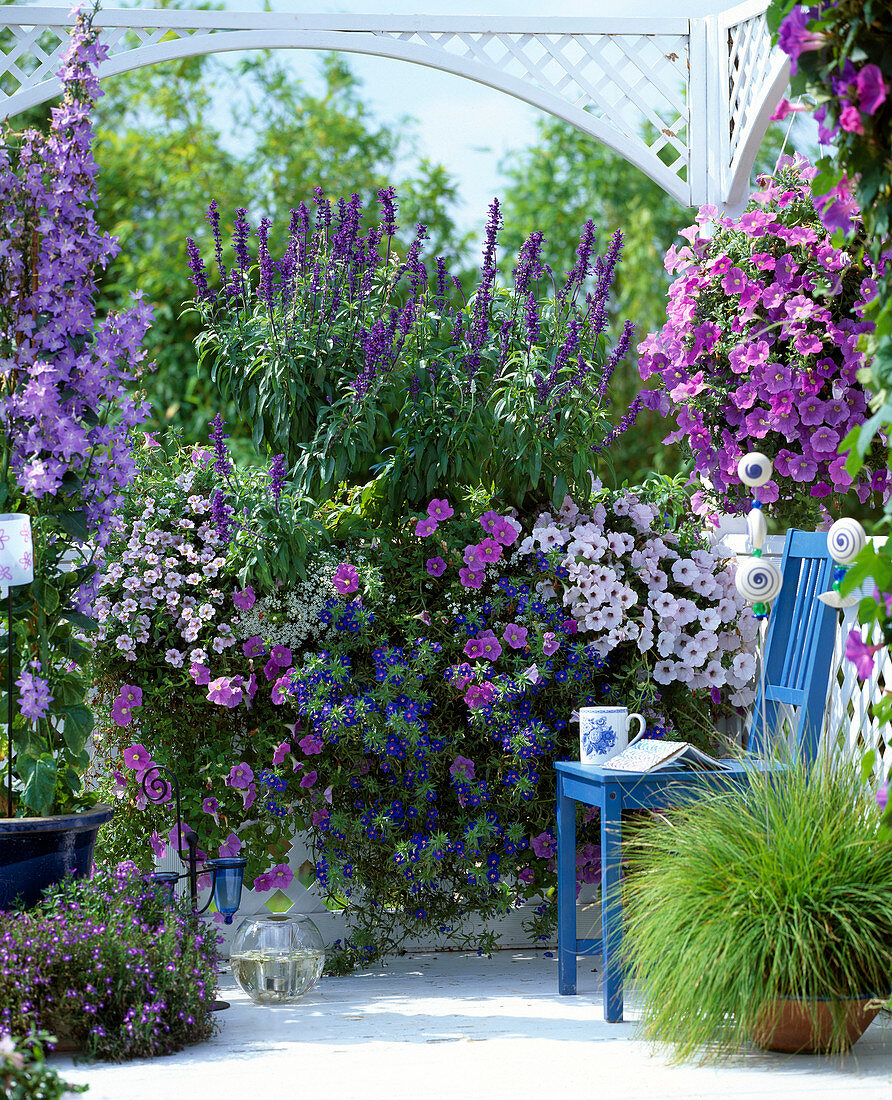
(685, 99)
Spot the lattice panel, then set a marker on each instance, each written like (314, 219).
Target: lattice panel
(851, 727)
(749, 57)
(636, 83)
(29, 55)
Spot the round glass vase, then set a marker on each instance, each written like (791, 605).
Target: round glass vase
(277, 959)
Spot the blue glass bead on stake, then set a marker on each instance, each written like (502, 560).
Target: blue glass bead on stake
(845, 541)
(757, 580)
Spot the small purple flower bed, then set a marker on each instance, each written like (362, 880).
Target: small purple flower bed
(110, 965)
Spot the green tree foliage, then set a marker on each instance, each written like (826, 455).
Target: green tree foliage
(163, 155)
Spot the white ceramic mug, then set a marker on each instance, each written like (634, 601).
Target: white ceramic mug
(604, 732)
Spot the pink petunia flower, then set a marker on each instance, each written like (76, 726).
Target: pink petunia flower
(200, 674)
(550, 644)
(515, 636)
(470, 579)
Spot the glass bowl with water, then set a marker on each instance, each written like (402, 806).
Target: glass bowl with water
(278, 958)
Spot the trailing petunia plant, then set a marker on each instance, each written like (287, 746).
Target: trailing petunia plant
(368, 368)
(841, 62)
(65, 411)
(760, 352)
(404, 699)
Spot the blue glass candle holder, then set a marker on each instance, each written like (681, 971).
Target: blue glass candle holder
(229, 874)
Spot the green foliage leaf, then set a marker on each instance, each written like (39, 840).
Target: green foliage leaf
(39, 775)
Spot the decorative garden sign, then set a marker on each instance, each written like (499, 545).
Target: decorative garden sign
(685, 97)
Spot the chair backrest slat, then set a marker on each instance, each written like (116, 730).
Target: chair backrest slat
(798, 646)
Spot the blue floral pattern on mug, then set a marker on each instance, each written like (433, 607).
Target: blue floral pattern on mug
(601, 739)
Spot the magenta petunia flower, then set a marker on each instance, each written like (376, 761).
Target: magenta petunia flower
(309, 779)
(230, 847)
(485, 645)
(281, 752)
(310, 745)
(130, 696)
(200, 674)
(425, 527)
(550, 643)
(240, 776)
(470, 578)
(544, 845)
(472, 558)
(462, 767)
(137, 757)
(860, 654)
(479, 695)
(505, 532)
(440, 510)
(226, 691)
(515, 636)
(245, 599)
(345, 580)
(871, 89)
(489, 521)
(850, 119)
(254, 646)
(282, 655)
(435, 566)
(489, 551)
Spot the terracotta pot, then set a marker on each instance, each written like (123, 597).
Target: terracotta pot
(806, 1026)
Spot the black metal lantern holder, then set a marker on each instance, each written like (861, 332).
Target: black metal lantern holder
(158, 782)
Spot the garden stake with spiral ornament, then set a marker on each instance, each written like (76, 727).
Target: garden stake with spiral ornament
(757, 579)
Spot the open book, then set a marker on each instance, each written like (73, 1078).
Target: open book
(648, 754)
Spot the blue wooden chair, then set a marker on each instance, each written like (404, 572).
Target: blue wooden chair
(796, 672)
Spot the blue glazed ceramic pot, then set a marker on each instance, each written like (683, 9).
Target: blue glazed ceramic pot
(36, 852)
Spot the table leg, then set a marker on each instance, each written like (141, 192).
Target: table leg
(566, 890)
(611, 906)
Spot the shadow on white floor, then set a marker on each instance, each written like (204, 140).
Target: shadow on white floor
(458, 1026)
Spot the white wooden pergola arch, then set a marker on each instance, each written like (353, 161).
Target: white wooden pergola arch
(684, 97)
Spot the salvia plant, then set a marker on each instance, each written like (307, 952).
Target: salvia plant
(365, 367)
(112, 965)
(65, 411)
(760, 352)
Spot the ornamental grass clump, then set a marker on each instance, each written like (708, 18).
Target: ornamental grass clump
(777, 890)
(760, 352)
(111, 965)
(366, 367)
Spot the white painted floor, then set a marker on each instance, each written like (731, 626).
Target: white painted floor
(464, 1028)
